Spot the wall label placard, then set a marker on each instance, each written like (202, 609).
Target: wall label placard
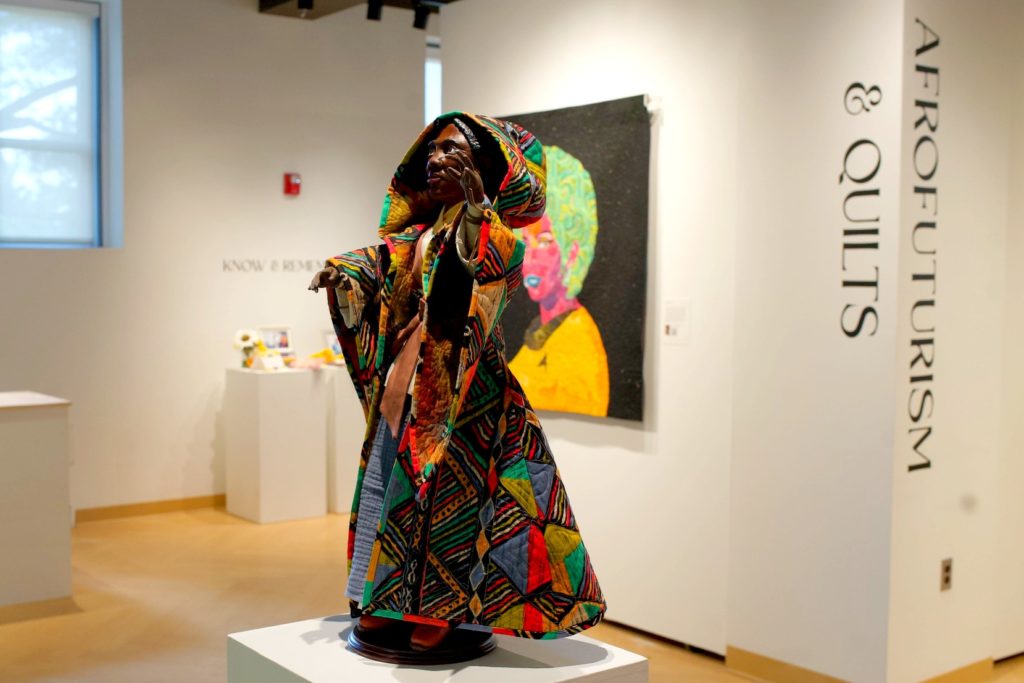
(924, 95)
(862, 220)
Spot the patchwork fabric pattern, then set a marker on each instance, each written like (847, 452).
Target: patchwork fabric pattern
(476, 529)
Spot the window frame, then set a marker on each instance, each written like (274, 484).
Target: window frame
(110, 123)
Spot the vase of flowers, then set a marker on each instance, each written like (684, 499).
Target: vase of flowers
(246, 341)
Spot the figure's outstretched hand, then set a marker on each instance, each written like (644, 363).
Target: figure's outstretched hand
(327, 277)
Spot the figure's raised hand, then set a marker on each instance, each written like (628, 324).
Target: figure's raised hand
(327, 277)
(464, 171)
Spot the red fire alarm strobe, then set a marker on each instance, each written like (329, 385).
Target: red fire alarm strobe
(292, 184)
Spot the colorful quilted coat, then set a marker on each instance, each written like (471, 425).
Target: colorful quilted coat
(477, 530)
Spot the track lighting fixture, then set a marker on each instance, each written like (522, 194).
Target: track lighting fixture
(421, 12)
(373, 9)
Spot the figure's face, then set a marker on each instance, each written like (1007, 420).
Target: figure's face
(542, 262)
(439, 157)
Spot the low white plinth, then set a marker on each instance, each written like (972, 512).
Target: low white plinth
(314, 651)
(276, 442)
(346, 426)
(35, 509)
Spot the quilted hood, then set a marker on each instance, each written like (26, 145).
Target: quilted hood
(511, 162)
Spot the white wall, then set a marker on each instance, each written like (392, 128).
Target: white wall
(770, 402)
(651, 498)
(950, 509)
(1009, 551)
(812, 429)
(219, 102)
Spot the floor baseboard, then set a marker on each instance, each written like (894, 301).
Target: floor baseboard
(152, 508)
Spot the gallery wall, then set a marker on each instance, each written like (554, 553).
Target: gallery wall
(1009, 551)
(776, 438)
(651, 498)
(814, 352)
(951, 310)
(220, 101)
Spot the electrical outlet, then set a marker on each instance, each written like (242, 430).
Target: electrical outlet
(946, 582)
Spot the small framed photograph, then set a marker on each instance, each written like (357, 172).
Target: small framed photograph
(277, 338)
(331, 342)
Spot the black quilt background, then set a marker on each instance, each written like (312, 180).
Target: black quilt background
(613, 141)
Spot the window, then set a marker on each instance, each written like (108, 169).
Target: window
(58, 159)
(432, 80)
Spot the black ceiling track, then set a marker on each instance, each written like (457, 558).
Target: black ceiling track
(314, 9)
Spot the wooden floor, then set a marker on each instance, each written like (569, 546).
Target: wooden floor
(155, 596)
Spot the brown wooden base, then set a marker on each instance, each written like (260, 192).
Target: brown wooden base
(391, 645)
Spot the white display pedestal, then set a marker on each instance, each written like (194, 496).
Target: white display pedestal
(35, 508)
(276, 442)
(314, 651)
(346, 426)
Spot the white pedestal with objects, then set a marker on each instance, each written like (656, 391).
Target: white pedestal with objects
(314, 651)
(346, 426)
(276, 443)
(35, 506)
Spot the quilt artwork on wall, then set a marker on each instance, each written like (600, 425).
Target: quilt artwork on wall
(575, 330)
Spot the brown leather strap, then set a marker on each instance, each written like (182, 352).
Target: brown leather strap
(397, 386)
(407, 352)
